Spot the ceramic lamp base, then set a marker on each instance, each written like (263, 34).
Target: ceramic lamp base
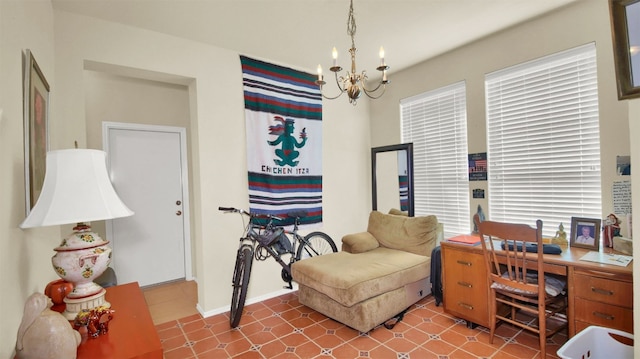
(75, 305)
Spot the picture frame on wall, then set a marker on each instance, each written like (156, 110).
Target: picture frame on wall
(36, 128)
(625, 32)
(585, 233)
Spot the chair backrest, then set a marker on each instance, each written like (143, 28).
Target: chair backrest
(508, 241)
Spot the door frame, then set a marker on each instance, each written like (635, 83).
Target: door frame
(186, 218)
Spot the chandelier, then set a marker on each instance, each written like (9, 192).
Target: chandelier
(352, 83)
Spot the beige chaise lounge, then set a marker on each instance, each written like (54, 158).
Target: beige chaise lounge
(377, 275)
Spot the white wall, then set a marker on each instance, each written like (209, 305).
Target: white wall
(25, 256)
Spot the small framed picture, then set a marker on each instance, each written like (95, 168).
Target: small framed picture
(585, 233)
(36, 128)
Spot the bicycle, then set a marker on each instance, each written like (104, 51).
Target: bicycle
(263, 239)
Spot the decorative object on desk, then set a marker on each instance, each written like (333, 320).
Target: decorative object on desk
(561, 236)
(77, 190)
(43, 333)
(610, 229)
(96, 320)
(585, 233)
(481, 218)
(57, 290)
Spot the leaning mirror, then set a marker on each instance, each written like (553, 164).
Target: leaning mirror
(625, 30)
(392, 178)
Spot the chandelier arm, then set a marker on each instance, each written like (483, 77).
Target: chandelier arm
(366, 92)
(342, 90)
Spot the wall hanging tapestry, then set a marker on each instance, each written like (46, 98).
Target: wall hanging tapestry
(283, 114)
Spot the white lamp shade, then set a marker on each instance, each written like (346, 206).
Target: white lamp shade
(76, 189)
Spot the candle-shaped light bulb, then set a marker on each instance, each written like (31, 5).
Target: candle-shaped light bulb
(382, 56)
(334, 54)
(319, 73)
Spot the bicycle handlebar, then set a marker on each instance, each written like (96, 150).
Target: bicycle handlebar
(252, 215)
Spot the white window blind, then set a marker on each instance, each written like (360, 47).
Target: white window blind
(543, 140)
(436, 123)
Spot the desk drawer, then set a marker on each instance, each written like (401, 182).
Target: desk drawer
(467, 301)
(605, 315)
(465, 284)
(604, 290)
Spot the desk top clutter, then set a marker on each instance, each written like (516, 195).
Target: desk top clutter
(130, 333)
(471, 239)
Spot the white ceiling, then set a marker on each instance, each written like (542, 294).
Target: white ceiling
(301, 33)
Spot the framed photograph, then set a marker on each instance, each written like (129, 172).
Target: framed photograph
(625, 31)
(585, 233)
(36, 128)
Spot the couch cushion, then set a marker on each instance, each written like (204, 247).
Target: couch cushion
(351, 278)
(359, 242)
(412, 234)
(398, 212)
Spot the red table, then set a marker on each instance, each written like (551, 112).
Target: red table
(132, 333)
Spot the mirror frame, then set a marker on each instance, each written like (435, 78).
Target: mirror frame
(408, 147)
(621, 49)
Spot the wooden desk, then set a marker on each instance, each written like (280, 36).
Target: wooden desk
(132, 333)
(598, 294)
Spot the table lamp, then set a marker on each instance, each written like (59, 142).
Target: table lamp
(77, 190)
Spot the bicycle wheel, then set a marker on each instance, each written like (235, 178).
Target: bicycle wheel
(315, 244)
(241, 275)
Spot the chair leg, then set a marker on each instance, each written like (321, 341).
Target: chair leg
(492, 315)
(542, 326)
(543, 346)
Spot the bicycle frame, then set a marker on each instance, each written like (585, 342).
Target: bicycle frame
(252, 235)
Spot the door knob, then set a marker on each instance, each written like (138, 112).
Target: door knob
(178, 213)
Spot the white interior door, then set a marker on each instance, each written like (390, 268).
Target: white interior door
(147, 165)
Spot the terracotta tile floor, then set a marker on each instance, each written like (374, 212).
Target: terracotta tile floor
(283, 328)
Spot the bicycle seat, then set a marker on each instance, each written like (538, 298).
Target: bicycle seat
(298, 214)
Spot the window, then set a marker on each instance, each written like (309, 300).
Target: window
(436, 123)
(543, 140)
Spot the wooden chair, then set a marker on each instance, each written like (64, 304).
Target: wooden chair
(515, 285)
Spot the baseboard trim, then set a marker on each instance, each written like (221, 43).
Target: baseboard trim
(216, 311)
